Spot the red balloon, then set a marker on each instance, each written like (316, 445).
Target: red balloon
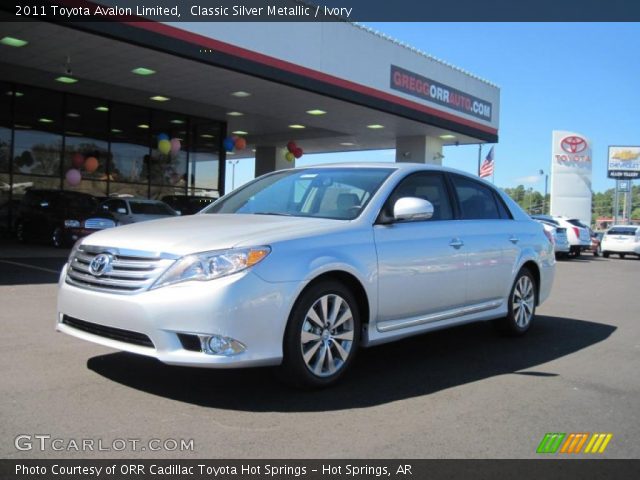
(291, 146)
(298, 152)
(77, 160)
(241, 143)
(91, 164)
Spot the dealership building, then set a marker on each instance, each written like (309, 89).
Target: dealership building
(97, 97)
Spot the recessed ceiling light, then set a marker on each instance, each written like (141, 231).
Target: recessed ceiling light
(177, 121)
(75, 134)
(375, 126)
(17, 94)
(316, 112)
(102, 108)
(26, 127)
(207, 135)
(67, 80)
(253, 150)
(73, 115)
(241, 94)
(143, 71)
(240, 132)
(45, 120)
(447, 136)
(13, 42)
(297, 126)
(235, 114)
(117, 130)
(347, 144)
(159, 98)
(143, 125)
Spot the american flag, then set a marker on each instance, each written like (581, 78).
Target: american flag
(486, 169)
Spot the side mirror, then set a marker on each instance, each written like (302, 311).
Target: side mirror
(122, 210)
(412, 208)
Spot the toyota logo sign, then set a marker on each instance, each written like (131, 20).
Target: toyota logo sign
(100, 264)
(573, 144)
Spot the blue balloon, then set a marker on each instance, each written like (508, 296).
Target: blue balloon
(163, 136)
(228, 144)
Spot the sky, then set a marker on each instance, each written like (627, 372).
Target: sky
(580, 77)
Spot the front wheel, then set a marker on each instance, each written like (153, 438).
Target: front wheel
(621, 255)
(322, 336)
(522, 305)
(605, 254)
(57, 237)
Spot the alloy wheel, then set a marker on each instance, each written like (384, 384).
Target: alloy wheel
(523, 301)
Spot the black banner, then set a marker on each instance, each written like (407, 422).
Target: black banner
(325, 10)
(543, 469)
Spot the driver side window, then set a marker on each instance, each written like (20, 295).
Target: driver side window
(428, 186)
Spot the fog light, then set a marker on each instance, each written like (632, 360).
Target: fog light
(219, 345)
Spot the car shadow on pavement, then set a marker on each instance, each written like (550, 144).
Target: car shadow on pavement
(413, 367)
(30, 270)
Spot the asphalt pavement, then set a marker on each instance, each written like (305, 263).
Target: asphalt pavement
(461, 393)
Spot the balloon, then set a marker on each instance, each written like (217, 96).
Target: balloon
(73, 177)
(241, 143)
(162, 136)
(77, 160)
(298, 152)
(175, 145)
(164, 146)
(289, 156)
(291, 146)
(228, 144)
(91, 164)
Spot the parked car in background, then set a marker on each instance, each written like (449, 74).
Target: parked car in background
(187, 204)
(58, 217)
(562, 247)
(622, 240)
(127, 210)
(596, 240)
(301, 267)
(577, 232)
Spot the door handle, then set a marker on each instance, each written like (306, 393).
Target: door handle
(456, 243)
(514, 239)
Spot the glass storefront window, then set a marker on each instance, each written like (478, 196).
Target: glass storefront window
(169, 167)
(130, 137)
(38, 123)
(204, 159)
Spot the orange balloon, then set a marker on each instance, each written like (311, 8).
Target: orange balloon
(91, 164)
(241, 143)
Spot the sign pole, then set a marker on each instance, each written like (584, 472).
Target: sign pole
(479, 157)
(615, 205)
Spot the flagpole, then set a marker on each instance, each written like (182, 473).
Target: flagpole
(479, 157)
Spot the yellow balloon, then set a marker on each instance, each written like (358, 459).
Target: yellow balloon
(164, 146)
(290, 157)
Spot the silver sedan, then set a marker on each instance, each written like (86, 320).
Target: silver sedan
(302, 267)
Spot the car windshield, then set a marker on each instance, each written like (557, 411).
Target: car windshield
(150, 208)
(336, 193)
(622, 231)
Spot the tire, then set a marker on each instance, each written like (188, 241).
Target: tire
(622, 255)
(317, 354)
(57, 238)
(20, 233)
(605, 254)
(522, 305)
(597, 252)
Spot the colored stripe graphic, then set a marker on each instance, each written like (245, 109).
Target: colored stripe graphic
(598, 443)
(574, 442)
(550, 443)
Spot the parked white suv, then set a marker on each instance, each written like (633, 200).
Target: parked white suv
(578, 233)
(562, 247)
(301, 267)
(622, 240)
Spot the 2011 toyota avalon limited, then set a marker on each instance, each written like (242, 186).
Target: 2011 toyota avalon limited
(301, 267)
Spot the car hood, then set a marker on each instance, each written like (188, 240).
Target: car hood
(200, 233)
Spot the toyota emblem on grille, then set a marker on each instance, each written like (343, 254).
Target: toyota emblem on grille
(100, 264)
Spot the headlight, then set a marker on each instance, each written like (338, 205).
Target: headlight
(211, 265)
(72, 223)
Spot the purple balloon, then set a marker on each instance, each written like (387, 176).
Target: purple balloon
(175, 145)
(73, 176)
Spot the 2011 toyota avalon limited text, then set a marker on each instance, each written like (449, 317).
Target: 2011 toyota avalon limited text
(301, 267)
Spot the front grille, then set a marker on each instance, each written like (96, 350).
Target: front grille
(127, 272)
(118, 334)
(98, 223)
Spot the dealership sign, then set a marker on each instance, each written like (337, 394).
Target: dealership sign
(571, 176)
(436, 92)
(624, 162)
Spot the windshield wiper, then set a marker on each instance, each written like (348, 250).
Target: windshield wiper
(282, 214)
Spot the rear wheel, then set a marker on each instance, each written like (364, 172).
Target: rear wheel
(522, 305)
(621, 255)
(322, 336)
(605, 254)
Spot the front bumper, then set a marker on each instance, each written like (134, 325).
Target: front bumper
(241, 306)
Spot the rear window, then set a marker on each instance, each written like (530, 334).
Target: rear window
(577, 223)
(548, 220)
(622, 231)
(150, 208)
